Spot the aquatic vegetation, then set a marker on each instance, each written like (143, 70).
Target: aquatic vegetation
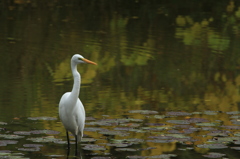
(194, 131)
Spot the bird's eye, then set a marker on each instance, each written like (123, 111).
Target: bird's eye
(80, 58)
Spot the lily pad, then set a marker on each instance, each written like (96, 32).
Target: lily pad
(235, 121)
(123, 128)
(183, 122)
(29, 149)
(118, 145)
(94, 129)
(22, 132)
(8, 136)
(42, 118)
(231, 127)
(213, 146)
(160, 141)
(130, 125)
(143, 111)
(197, 120)
(125, 149)
(209, 112)
(214, 155)
(129, 120)
(179, 113)
(136, 157)
(110, 132)
(3, 123)
(6, 142)
(159, 116)
(207, 124)
(44, 139)
(88, 139)
(32, 145)
(163, 156)
(44, 132)
(94, 147)
(235, 148)
(233, 112)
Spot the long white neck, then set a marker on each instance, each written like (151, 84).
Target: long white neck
(76, 84)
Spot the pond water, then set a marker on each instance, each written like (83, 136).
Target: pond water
(167, 83)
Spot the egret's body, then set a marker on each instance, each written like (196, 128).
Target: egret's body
(71, 110)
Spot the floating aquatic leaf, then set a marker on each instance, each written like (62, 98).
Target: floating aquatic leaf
(125, 149)
(163, 156)
(4, 151)
(233, 112)
(196, 112)
(159, 116)
(235, 117)
(209, 112)
(101, 158)
(104, 122)
(183, 126)
(179, 113)
(118, 145)
(190, 130)
(207, 124)
(175, 132)
(129, 120)
(213, 146)
(42, 118)
(235, 148)
(143, 111)
(178, 136)
(55, 156)
(233, 127)
(95, 129)
(123, 128)
(208, 128)
(29, 149)
(8, 142)
(88, 139)
(130, 125)
(197, 120)
(94, 147)
(8, 136)
(235, 121)
(32, 145)
(237, 134)
(237, 142)
(44, 132)
(219, 133)
(119, 133)
(214, 155)
(136, 157)
(161, 141)
(135, 141)
(178, 121)
(22, 132)
(155, 124)
(129, 141)
(229, 139)
(44, 139)
(158, 128)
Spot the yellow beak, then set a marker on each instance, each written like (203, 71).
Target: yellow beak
(88, 61)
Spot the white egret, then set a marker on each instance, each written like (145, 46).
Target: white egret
(71, 110)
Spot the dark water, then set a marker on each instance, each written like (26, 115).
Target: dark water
(166, 85)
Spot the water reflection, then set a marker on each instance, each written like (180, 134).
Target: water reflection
(159, 56)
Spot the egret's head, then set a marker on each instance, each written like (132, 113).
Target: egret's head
(80, 59)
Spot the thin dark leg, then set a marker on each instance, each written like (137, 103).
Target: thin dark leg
(68, 140)
(76, 145)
